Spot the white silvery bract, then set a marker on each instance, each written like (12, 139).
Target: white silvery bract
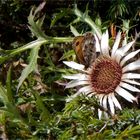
(112, 74)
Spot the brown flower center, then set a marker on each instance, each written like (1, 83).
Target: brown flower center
(106, 75)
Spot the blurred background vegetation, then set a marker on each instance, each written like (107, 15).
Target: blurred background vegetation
(33, 44)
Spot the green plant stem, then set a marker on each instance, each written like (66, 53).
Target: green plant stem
(38, 42)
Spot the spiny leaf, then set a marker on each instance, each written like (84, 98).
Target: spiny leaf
(35, 27)
(31, 67)
(74, 31)
(67, 55)
(57, 16)
(10, 53)
(85, 18)
(8, 107)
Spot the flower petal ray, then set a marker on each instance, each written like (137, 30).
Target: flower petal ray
(74, 65)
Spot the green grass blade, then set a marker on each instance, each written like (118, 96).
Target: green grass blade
(8, 86)
(3, 95)
(45, 115)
